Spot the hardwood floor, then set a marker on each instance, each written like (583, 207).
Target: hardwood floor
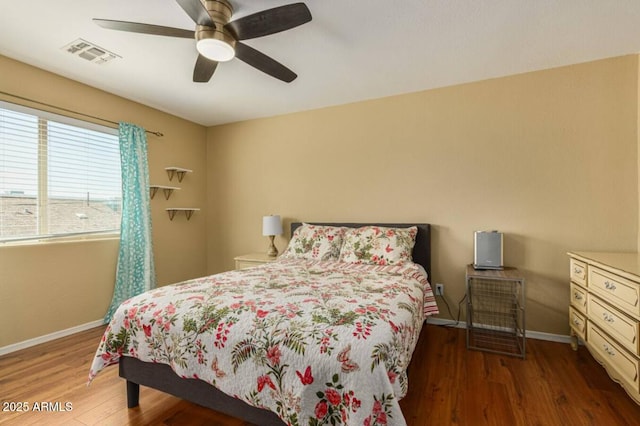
(448, 386)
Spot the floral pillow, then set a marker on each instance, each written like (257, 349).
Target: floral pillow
(315, 242)
(378, 245)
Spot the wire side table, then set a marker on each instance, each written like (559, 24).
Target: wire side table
(496, 311)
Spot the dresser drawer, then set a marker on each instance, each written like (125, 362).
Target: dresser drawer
(579, 298)
(614, 323)
(616, 358)
(243, 264)
(620, 292)
(578, 271)
(253, 259)
(578, 322)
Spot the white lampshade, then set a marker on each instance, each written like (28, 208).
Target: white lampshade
(215, 49)
(271, 225)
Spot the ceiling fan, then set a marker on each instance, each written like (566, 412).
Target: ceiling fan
(218, 38)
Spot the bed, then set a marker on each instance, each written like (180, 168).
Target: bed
(328, 339)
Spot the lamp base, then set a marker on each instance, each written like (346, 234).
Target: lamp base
(273, 251)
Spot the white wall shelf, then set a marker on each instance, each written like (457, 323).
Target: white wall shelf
(167, 190)
(188, 211)
(177, 171)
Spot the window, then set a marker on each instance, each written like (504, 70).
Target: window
(58, 176)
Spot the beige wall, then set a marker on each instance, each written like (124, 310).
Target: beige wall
(549, 158)
(52, 287)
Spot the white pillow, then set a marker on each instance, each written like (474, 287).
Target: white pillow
(315, 242)
(378, 245)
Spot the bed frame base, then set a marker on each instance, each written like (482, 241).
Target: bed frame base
(162, 377)
(133, 394)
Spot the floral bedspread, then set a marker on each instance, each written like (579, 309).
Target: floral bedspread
(316, 342)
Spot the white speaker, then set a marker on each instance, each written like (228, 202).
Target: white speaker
(487, 248)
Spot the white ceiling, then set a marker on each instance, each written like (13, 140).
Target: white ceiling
(350, 51)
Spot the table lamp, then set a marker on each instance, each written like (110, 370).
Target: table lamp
(271, 226)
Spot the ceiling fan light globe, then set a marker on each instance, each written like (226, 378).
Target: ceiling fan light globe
(216, 50)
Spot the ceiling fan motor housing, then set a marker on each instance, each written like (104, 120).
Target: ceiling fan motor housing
(220, 12)
(203, 32)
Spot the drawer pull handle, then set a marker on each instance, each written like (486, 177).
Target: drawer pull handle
(608, 318)
(577, 296)
(608, 350)
(576, 321)
(577, 270)
(609, 286)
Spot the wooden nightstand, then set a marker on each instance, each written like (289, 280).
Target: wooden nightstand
(252, 259)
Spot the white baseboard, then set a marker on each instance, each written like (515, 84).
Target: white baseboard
(48, 337)
(539, 335)
(560, 338)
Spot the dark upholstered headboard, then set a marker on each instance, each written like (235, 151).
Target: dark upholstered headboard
(421, 250)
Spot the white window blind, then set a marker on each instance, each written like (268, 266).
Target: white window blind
(58, 176)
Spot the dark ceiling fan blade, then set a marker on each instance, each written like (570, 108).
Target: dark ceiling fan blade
(204, 69)
(270, 21)
(264, 63)
(136, 27)
(196, 10)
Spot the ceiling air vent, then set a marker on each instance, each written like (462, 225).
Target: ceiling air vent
(90, 51)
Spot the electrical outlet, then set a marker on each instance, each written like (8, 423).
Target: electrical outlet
(439, 289)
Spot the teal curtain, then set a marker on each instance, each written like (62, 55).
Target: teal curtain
(135, 272)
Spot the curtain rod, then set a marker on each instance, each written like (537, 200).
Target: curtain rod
(159, 134)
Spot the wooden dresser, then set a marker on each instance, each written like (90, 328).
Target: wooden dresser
(605, 312)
